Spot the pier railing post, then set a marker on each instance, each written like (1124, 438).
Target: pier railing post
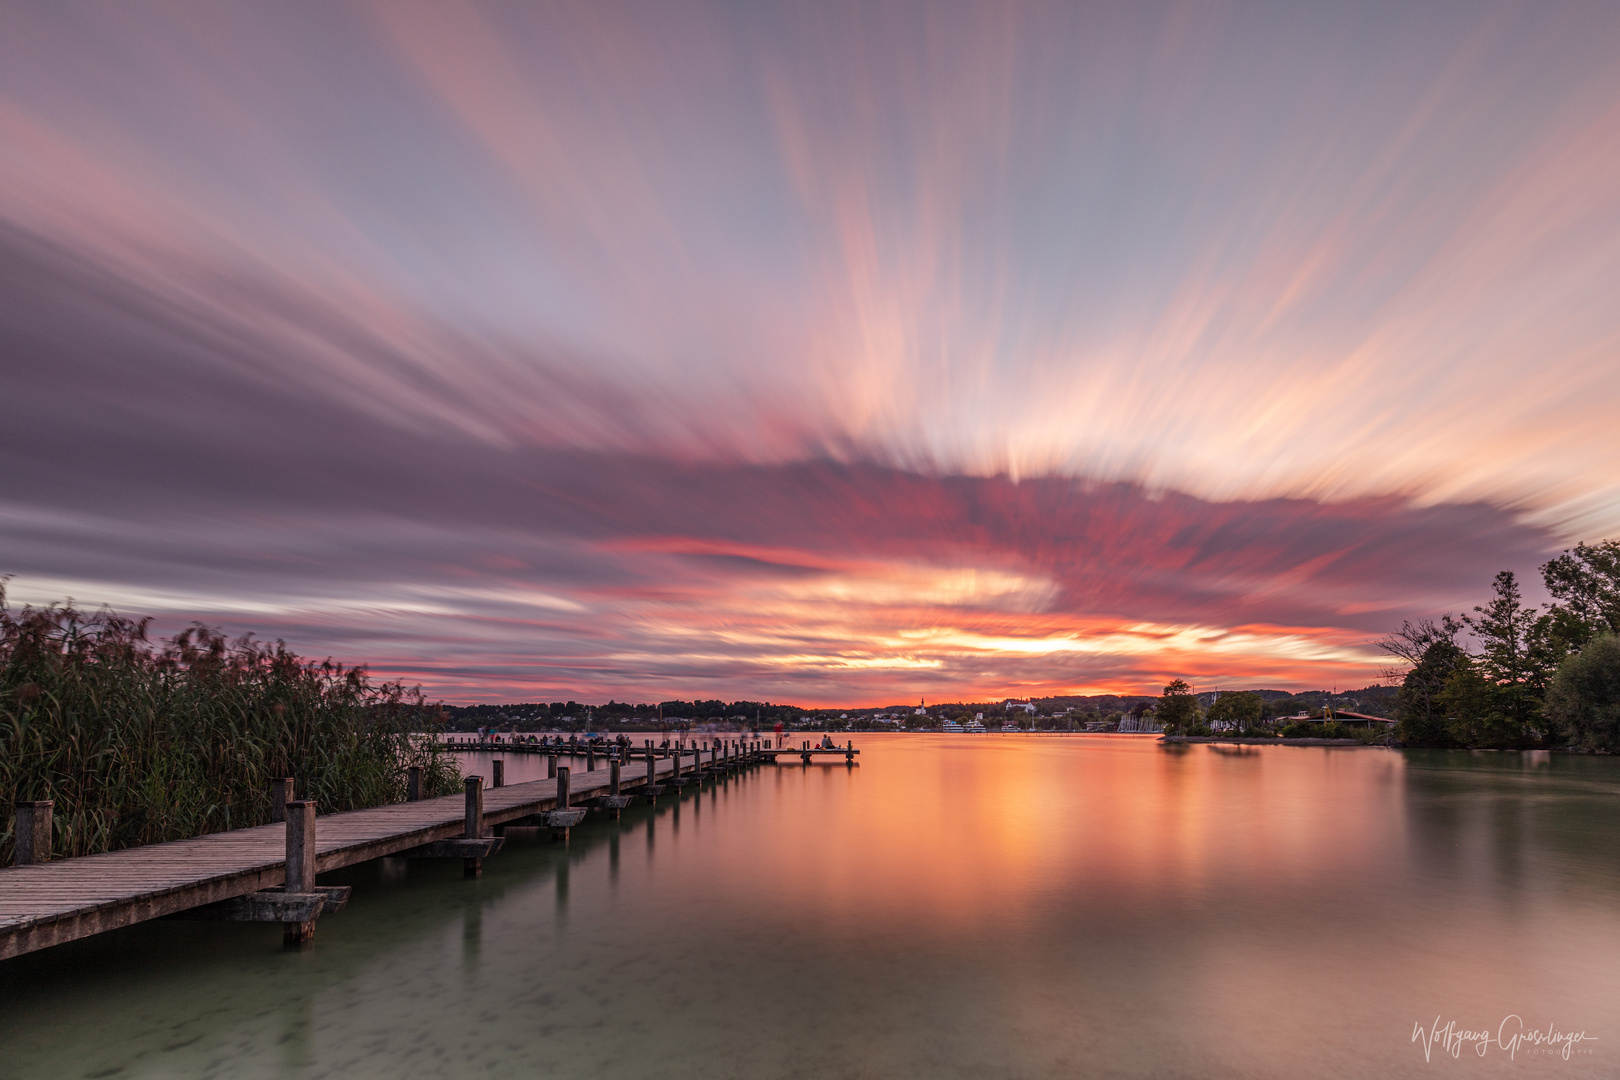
(281, 790)
(499, 768)
(413, 784)
(474, 823)
(562, 788)
(32, 837)
(300, 872)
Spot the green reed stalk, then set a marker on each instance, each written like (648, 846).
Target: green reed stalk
(138, 743)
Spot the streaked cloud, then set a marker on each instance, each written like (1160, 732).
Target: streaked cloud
(816, 352)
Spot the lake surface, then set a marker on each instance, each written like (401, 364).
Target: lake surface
(954, 906)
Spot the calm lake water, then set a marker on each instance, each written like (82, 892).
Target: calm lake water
(955, 906)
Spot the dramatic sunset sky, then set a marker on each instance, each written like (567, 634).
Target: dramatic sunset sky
(806, 352)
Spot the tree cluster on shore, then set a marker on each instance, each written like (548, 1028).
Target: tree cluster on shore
(1542, 676)
(138, 743)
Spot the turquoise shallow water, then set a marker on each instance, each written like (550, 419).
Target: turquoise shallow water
(955, 906)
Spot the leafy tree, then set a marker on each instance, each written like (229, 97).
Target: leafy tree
(1504, 627)
(1513, 669)
(1477, 712)
(1584, 698)
(1431, 650)
(1240, 710)
(1178, 709)
(1585, 586)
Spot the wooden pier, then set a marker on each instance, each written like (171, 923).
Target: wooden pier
(267, 873)
(760, 750)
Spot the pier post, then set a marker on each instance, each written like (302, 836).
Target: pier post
(413, 784)
(474, 827)
(280, 792)
(499, 768)
(849, 754)
(32, 837)
(590, 759)
(562, 788)
(300, 871)
(551, 766)
(613, 787)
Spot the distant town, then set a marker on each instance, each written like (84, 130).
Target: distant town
(1098, 713)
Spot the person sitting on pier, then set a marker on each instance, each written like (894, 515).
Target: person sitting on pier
(827, 743)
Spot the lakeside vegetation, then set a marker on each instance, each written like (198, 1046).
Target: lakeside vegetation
(1543, 676)
(138, 743)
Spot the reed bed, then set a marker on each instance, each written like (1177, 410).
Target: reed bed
(138, 743)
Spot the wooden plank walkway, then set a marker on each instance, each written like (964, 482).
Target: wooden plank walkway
(49, 903)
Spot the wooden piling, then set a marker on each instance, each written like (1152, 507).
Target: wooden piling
(590, 759)
(562, 788)
(551, 766)
(498, 766)
(474, 827)
(31, 837)
(300, 873)
(281, 790)
(413, 784)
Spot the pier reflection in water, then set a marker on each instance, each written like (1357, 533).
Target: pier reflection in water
(951, 906)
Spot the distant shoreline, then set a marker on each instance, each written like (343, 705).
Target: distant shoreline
(1272, 742)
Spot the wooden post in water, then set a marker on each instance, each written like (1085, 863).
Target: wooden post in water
(551, 766)
(413, 784)
(613, 787)
(849, 754)
(499, 767)
(562, 788)
(300, 873)
(32, 836)
(590, 759)
(280, 792)
(474, 826)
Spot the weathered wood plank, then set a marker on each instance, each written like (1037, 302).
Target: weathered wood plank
(48, 903)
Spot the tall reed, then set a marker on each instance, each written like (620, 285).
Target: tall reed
(139, 742)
